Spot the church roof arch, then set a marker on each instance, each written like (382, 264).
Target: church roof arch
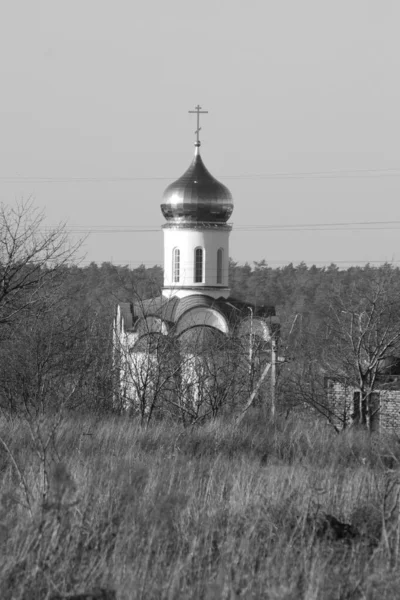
(201, 315)
(192, 301)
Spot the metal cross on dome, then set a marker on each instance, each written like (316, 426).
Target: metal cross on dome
(199, 112)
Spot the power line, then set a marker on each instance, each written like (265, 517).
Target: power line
(334, 226)
(335, 174)
(241, 230)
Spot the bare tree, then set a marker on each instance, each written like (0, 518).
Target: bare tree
(363, 331)
(46, 354)
(301, 383)
(51, 364)
(31, 256)
(214, 373)
(358, 335)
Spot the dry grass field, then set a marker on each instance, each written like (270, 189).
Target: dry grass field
(214, 512)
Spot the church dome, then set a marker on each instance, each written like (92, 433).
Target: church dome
(197, 196)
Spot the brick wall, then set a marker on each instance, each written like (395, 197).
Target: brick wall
(340, 398)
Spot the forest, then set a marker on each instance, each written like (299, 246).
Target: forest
(95, 505)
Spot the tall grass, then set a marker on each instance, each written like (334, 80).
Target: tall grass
(209, 512)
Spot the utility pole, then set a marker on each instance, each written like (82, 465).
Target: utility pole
(273, 373)
(251, 348)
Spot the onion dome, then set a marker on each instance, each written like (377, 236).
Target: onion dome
(197, 196)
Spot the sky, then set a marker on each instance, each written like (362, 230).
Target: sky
(303, 124)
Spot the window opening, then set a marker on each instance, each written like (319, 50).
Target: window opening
(176, 265)
(198, 266)
(219, 265)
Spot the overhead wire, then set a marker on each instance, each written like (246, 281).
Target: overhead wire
(335, 174)
(334, 226)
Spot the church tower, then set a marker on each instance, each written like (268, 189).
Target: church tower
(196, 235)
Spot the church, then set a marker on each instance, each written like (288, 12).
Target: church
(193, 349)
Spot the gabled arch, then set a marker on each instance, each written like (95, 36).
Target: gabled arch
(203, 316)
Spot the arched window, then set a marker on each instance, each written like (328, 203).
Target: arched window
(220, 255)
(176, 265)
(198, 265)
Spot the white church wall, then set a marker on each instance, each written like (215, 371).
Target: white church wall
(148, 373)
(139, 382)
(190, 383)
(202, 376)
(187, 240)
